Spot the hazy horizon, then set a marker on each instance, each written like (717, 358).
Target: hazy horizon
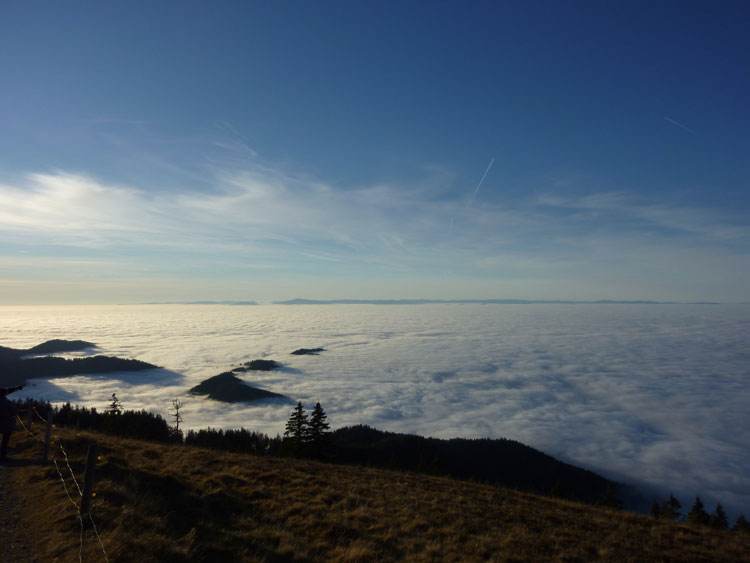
(384, 300)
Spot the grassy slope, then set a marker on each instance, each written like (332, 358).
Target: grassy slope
(173, 503)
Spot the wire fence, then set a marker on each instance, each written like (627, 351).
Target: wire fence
(65, 462)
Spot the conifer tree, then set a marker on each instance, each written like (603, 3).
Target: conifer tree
(115, 406)
(610, 498)
(318, 425)
(655, 509)
(317, 431)
(670, 509)
(741, 525)
(295, 434)
(719, 518)
(698, 515)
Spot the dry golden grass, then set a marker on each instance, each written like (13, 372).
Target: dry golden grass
(173, 503)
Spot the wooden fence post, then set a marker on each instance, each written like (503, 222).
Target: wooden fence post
(88, 479)
(47, 435)
(29, 413)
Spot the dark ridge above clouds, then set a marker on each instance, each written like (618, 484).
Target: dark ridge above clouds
(258, 365)
(308, 351)
(14, 370)
(48, 347)
(58, 345)
(229, 388)
(299, 301)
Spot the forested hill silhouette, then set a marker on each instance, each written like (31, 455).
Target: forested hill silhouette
(308, 351)
(57, 345)
(229, 388)
(258, 365)
(499, 461)
(15, 370)
(48, 347)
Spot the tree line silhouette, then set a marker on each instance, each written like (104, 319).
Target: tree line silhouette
(496, 461)
(114, 420)
(697, 516)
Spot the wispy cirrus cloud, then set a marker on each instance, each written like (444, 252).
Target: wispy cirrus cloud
(252, 205)
(706, 223)
(249, 212)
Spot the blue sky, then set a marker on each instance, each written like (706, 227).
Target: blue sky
(243, 150)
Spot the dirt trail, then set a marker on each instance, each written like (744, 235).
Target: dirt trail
(16, 539)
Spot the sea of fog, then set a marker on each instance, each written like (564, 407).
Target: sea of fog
(657, 396)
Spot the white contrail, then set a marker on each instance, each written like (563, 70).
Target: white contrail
(479, 184)
(673, 122)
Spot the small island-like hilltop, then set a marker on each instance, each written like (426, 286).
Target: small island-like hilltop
(16, 367)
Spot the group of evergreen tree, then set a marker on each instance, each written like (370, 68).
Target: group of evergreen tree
(136, 424)
(700, 517)
(240, 440)
(115, 410)
(115, 420)
(307, 437)
(697, 516)
(667, 510)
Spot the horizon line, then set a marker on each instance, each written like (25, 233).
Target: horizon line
(421, 301)
(398, 301)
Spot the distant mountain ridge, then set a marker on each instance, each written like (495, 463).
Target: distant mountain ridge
(238, 303)
(299, 301)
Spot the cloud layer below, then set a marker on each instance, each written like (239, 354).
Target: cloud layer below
(654, 395)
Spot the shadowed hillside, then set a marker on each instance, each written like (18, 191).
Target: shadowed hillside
(48, 347)
(500, 461)
(14, 370)
(57, 345)
(505, 462)
(229, 388)
(159, 502)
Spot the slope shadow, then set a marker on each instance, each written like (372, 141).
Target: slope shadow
(50, 389)
(46, 390)
(160, 376)
(285, 369)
